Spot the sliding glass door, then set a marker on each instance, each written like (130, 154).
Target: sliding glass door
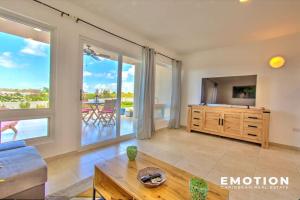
(127, 111)
(107, 95)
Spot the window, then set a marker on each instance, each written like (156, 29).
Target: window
(23, 129)
(25, 74)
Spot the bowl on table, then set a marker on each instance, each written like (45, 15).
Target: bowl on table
(146, 173)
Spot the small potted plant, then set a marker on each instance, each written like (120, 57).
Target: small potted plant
(198, 189)
(131, 152)
(129, 113)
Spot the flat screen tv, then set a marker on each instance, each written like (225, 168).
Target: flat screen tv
(230, 90)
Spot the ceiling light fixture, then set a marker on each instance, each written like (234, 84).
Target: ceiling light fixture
(244, 1)
(37, 29)
(277, 62)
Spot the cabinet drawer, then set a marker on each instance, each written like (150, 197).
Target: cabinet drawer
(196, 121)
(252, 117)
(252, 130)
(196, 126)
(253, 125)
(196, 113)
(196, 117)
(253, 135)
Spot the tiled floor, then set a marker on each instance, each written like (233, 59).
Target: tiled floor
(203, 155)
(95, 132)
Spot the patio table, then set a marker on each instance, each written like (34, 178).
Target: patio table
(95, 107)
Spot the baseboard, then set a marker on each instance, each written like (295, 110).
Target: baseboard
(284, 146)
(167, 128)
(106, 143)
(90, 148)
(183, 126)
(161, 129)
(47, 159)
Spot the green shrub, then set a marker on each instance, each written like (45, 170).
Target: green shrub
(40, 106)
(126, 104)
(24, 105)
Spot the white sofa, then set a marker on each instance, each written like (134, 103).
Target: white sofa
(23, 172)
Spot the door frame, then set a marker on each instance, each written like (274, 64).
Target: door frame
(83, 40)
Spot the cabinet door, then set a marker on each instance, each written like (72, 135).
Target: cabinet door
(232, 123)
(212, 120)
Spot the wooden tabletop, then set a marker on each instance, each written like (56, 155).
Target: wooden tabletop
(123, 173)
(93, 102)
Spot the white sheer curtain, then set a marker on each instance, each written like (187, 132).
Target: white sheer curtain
(146, 95)
(176, 95)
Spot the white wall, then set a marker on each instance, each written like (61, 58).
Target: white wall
(67, 128)
(277, 89)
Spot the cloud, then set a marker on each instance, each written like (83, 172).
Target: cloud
(6, 60)
(129, 72)
(108, 86)
(85, 87)
(87, 73)
(125, 75)
(128, 87)
(108, 75)
(34, 48)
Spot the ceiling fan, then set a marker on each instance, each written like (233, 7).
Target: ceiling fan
(97, 56)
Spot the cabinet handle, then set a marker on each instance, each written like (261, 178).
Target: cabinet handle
(251, 126)
(195, 124)
(222, 122)
(252, 117)
(219, 121)
(196, 111)
(196, 118)
(252, 134)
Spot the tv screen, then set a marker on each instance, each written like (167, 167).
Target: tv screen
(231, 90)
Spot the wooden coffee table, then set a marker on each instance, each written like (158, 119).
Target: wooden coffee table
(115, 179)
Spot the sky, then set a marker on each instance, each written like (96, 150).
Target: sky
(25, 64)
(102, 75)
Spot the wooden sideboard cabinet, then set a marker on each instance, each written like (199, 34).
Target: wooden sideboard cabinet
(248, 124)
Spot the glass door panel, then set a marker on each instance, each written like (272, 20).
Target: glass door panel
(127, 111)
(99, 95)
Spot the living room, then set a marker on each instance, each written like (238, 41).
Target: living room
(82, 81)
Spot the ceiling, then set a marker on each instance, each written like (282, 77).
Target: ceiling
(29, 32)
(185, 26)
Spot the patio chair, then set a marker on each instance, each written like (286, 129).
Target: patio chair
(86, 112)
(85, 115)
(107, 113)
(8, 125)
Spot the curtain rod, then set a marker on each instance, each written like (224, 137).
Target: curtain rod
(97, 27)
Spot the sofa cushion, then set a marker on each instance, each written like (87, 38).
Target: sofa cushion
(22, 168)
(12, 145)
